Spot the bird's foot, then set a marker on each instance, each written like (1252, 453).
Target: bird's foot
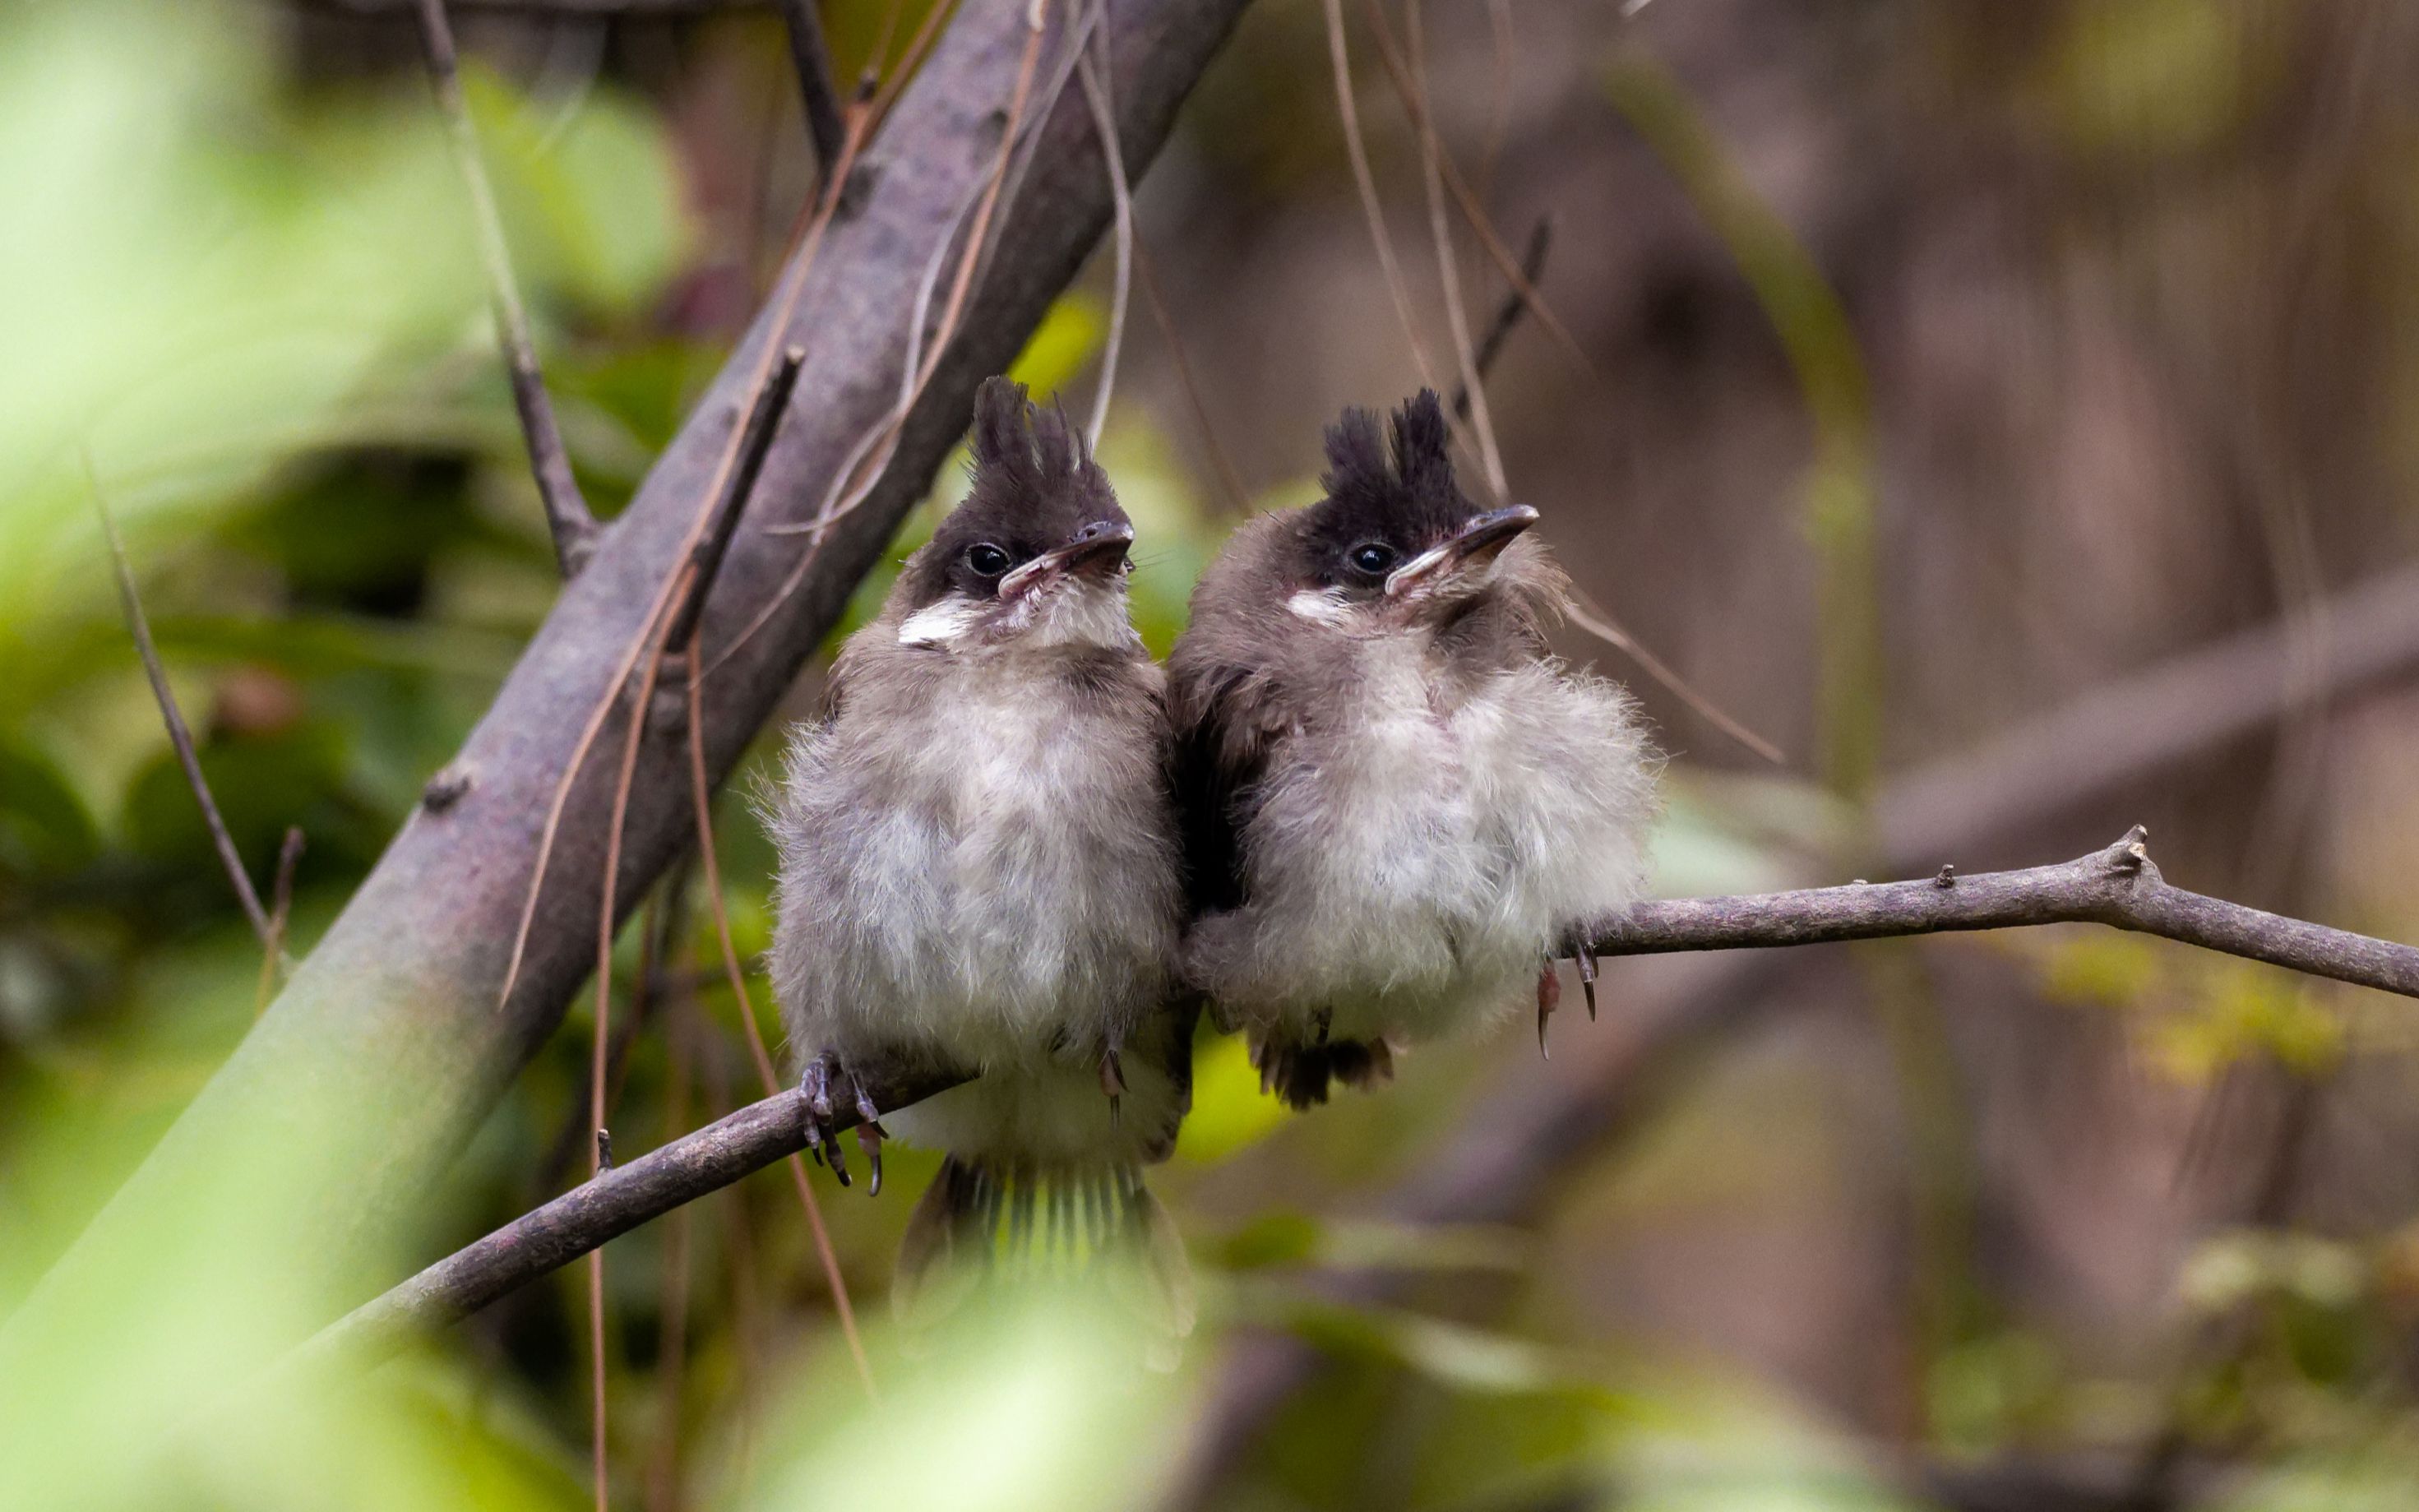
(1585, 958)
(1549, 998)
(822, 1140)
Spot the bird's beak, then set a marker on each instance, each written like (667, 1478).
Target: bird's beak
(1473, 545)
(1098, 549)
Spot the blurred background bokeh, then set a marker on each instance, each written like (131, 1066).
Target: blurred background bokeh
(1939, 364)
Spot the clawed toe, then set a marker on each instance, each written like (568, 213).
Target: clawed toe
(868, 1138)
(823, 1140)
(1113, 1081)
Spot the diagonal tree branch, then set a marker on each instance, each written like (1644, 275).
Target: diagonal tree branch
(568, 518)
(2120, 887)
(390, 1043)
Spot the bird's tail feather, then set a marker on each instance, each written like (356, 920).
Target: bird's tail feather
(1300, 1075)
(983, 1222)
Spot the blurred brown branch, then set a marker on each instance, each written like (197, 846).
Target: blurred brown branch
(2136, 726)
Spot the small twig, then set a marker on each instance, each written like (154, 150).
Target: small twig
(927, 31)
(179, 736)
(1507, 315)
(1366, 183)
(860, 473)
(2119, 887)
(762, 424)
(1233, 481)
(784, 307)
(672, 1320)
(588, 1214)
(1415, 102)
(599, 1051)
(599, 1471)
(1104, 118)
(280, 904)
(1592, 619)
(1473, 386)
(567, 516)
(816, 96)
(1499, 109)
(701, 797)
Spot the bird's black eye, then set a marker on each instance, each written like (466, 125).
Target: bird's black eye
(1373, 557)
(986, 559)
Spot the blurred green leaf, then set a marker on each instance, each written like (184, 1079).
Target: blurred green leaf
(44, 825)
(1229, 1110)
(592, 208)
(1040, 1404)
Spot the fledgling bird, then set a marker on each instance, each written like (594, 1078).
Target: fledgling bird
(1397, 800)
(980, 873)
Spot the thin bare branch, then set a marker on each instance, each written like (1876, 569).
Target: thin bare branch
(567, 516)
(1372, 210)
(756, 440)
(179, 736)
(1593, 619)
(1498, 108)
(1415, 102)
(859, 475)
(1104, 116)
(2119, 887)
(784, 309)
(1509, 314)
(816, 97)
(1473, 384)
(616, 1202)
(701, 795)
(1237, 496)
(663, 1475)
(280, 905)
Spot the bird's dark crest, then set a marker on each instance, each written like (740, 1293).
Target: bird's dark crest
(1033, 484)
(1017, 446)
(1398, 487)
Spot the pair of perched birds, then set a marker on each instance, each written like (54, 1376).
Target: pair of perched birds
(1360, 808)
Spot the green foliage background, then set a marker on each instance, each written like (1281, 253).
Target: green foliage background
(241, 301)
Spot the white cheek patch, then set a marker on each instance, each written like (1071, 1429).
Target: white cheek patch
(1326, 607)
(945, 624)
